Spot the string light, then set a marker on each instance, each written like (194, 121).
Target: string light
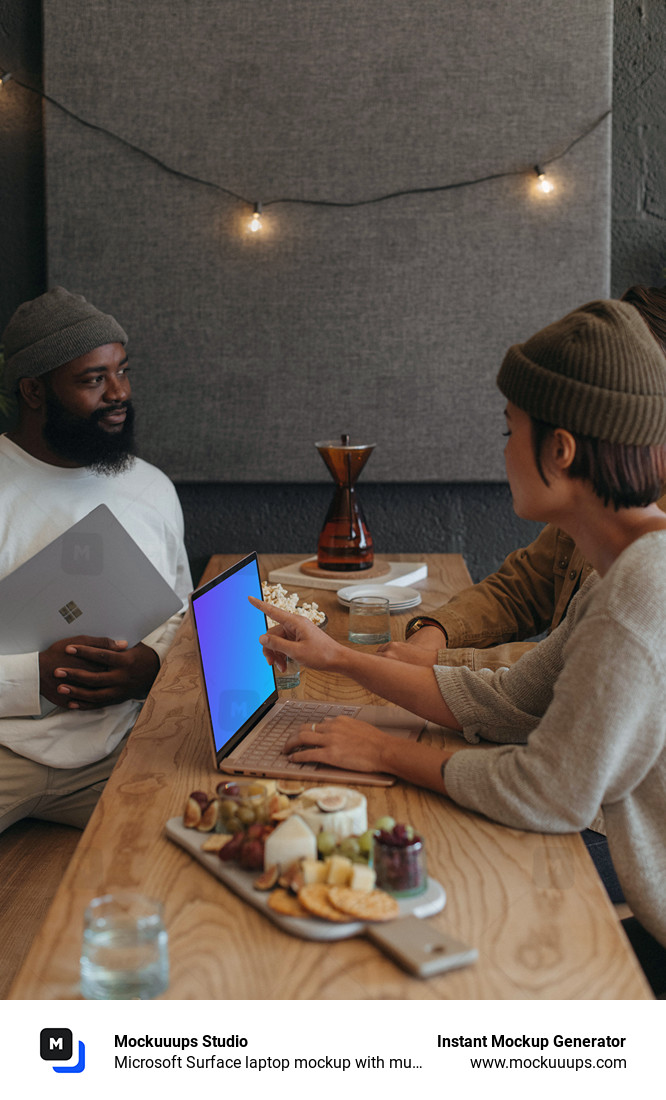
(255, 221)
(543, 183)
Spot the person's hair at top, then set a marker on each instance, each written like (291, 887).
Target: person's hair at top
(622, 474)
(650, 301)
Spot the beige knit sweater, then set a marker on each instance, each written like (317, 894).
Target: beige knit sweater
(582, 721)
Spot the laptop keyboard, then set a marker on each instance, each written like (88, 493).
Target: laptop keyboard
(266, 749)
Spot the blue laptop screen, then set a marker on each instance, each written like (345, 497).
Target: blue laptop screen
(238, 680)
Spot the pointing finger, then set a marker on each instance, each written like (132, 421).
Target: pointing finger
(277, 614)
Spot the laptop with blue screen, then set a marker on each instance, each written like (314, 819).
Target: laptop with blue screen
(249, 723)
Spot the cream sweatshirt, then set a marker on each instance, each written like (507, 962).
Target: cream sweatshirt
(37, 503)
(589, 706)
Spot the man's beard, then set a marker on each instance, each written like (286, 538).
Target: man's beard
(82, 440)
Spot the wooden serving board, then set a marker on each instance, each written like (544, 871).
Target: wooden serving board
(240, 881)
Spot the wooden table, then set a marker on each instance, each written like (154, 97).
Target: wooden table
(532, 904)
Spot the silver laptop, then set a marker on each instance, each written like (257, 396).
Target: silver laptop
(249, 724)
(93, 579)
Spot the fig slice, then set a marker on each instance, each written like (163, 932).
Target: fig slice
(192, 814)
(330, 801)
(291, 787)
(209, 816)
(291, 878)
(268, 879)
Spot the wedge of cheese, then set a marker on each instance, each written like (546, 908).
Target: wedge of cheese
(339, 871)
(314, 870)
(363, 877)
(293, 839)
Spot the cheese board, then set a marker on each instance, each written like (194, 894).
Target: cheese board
(241, 882)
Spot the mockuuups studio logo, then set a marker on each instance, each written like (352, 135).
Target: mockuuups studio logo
(82, 553)
(55, 1045)
(235, 707)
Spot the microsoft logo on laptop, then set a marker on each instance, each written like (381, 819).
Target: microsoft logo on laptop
(70, 612)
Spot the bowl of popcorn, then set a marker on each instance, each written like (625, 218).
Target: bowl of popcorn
(277, 595)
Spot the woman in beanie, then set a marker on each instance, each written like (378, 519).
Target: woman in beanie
(492, 623)
(580, 720)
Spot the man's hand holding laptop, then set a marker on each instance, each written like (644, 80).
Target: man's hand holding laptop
(84, 673)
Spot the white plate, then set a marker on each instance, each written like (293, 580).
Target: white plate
(399, 597)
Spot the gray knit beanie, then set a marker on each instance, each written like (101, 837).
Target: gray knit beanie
(598, 371)
(54, 329)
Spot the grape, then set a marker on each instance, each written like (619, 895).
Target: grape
(231, 789)
(251, 855)
(385, 823)
(365, 841)
(349, 847)
(326, 842)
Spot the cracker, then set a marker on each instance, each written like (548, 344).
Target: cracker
(314, 897)
(362, 904)
(215, 842)
(286, 904)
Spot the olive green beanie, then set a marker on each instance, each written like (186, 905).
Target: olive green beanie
(51, 330)
(598, 371)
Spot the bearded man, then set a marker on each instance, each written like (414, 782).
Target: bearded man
(72, 449)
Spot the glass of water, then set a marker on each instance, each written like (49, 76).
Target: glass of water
(124, 954)
(291, 676)
(369, 620)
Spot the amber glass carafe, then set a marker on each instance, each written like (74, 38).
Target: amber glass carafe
(345, 542)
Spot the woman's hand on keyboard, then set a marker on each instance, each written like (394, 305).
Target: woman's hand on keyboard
(341, 742)
(348, 743)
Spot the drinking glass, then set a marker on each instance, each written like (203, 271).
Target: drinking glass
(369, 620)
(290, 677)
(401, 869)
(124, 954)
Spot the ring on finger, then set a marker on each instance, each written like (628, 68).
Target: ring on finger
(313, 727)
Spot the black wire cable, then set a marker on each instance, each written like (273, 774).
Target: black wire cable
(301, 202)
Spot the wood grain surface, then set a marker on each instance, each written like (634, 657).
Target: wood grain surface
(532, 904)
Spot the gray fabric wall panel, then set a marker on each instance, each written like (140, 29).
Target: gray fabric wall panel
(388, 321)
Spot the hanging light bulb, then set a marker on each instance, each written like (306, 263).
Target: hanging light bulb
(255, 221)
(543, 183)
